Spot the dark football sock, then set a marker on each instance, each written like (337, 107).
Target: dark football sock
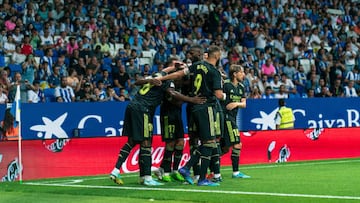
(205, 157)
(177, 156)
(167, 159)
(235, 154)
(123, 154)
(145, 161)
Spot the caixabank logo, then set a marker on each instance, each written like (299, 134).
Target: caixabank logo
(306, 119)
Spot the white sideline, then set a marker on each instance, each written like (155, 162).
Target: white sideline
(201, 191)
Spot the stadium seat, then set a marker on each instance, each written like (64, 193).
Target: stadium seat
(117, 90)
(49, 94)
(39, 53)
(2, 61)
(15, 68)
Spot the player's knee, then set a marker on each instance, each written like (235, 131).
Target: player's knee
(145, 143)
(238, 146)
(179, 142)
(170, 146)
(225, 150)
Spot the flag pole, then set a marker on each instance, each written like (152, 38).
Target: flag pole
(18, 119)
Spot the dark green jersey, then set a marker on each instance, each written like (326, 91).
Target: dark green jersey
(150, 96)
(233, 94)
(205, 79)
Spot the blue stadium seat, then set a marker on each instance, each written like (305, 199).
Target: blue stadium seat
(117, 90)
(15, 67)
(39, 53)
(2, 61)
(49, 94)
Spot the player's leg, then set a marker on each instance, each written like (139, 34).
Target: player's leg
(215, 174)
(179, 145)
(145, 161)
(167, 133)
(234, 137)
(235, 157)
(206, 123)
(167, 161)
(125, 150)
(178, 153)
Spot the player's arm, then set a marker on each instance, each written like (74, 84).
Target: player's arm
(233, 105)
(219, 94)
(178, 96)
(175, 75)
(175, 66)
(144, 81)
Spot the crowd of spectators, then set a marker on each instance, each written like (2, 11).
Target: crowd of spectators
(67, 51)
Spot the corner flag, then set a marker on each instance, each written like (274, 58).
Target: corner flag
(15, 107)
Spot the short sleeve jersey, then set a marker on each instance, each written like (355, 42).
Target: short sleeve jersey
(205, 79)
(151, 96)
(233, 94)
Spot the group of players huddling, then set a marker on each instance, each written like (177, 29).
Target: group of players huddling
(212, 106)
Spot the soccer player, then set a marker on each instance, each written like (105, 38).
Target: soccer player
(138, 126)
(172, 131)
(206, 81)
(235, 99)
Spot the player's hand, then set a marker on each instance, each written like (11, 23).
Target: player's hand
(155, 82)
(198, 99)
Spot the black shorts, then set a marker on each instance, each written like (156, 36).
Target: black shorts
(172, 126)
(231, 133)
(138, 123)
(205, 121)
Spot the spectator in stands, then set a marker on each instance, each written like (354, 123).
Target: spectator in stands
(9, 45)
(3, 96)
(47, 41)
(54, 79)
(26, 47)
(267, 93)
(161, 56)
(337, 89)
(71, 46)
(63, 92)
(275, 84)
(29, 68)
(24, 87)
(268, 69)
(324, 92)
(300, 80)
(35, 94)
(349, 90)
(17, 57)
(74, 80)
(282, 94)
(48, 58)
(122, 78)
(289, 69)
(289, 85)
(86, 94)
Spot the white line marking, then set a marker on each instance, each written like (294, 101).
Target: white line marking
(202, 191)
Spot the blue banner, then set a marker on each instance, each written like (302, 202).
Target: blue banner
(64, 120)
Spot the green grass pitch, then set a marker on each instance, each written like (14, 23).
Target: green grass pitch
(315, 181)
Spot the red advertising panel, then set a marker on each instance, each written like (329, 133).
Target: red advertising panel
(94, 156)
